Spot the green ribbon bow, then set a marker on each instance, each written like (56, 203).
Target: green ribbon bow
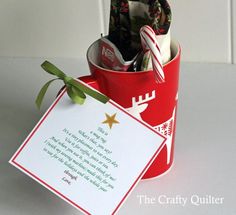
(75, 90)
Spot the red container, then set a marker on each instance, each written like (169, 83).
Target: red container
(142, 96)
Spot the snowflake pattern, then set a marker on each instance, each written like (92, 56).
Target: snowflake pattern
(166, 128)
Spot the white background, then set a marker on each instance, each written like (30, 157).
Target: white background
(204, 159)
(65, 28)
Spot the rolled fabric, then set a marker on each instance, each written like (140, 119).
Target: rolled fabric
(120, 28)
(128, 16)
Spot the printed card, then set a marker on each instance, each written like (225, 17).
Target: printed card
(90, 155)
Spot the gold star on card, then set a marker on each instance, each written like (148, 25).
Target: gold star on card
(110, 120)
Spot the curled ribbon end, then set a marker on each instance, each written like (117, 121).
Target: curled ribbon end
(42, 93)
(37, 105)
(46, 65)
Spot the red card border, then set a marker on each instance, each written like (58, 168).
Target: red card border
(13, 159)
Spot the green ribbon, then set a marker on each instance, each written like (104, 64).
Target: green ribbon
(75, 90)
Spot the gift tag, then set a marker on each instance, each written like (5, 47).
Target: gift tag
(90, 155)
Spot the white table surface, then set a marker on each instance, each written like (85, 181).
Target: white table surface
(205, 142)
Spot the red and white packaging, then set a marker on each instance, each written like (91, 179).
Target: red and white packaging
(111, 57)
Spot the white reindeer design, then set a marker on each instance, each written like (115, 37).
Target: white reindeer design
(166, 129)
(140, 105)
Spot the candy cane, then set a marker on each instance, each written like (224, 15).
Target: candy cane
(149, 43)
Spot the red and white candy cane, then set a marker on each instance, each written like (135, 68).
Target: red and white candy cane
(149, 43)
